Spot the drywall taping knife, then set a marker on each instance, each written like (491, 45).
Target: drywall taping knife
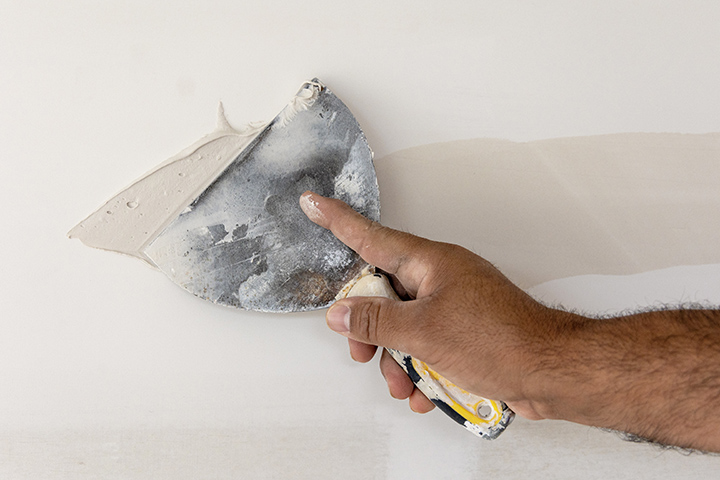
(242, 241)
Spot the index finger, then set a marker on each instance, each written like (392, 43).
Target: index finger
(395, 252)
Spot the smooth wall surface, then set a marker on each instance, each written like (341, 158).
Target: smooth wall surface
(108, 370)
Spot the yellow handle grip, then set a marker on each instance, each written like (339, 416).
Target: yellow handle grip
(484, 417)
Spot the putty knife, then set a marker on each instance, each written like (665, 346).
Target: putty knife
(244, 241)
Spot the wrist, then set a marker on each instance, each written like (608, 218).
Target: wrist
(560, 382)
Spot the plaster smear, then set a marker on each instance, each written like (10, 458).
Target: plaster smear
(130, 220)
(543, 210)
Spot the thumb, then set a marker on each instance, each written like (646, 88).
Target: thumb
(375, 320)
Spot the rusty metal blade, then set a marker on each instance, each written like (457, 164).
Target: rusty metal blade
(245, 243)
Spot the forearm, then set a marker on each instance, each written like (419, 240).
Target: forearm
(654, 374)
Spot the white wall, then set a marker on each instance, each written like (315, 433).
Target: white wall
(110, 371)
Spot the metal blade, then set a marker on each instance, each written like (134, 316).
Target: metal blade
(245, 243)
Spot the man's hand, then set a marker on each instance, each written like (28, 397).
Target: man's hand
(653, 374)
(464, 318)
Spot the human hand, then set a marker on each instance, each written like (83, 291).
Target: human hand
(463, 318)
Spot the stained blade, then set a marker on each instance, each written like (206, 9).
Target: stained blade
(245, 243)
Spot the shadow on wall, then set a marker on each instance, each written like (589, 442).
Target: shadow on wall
(610, 204)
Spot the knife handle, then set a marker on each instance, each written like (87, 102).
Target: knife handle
(484, 417)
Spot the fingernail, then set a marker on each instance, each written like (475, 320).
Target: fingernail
(338, 318)
(310, 206)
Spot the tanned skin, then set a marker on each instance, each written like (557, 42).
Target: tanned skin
(655, 375)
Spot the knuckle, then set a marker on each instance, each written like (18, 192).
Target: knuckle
(433, 331)
(366, 232)
(365, 321)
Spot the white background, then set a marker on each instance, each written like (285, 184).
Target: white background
(107, 370)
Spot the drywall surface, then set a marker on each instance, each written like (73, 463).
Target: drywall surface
(108, 370)
(549, 209)
(179, 392)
